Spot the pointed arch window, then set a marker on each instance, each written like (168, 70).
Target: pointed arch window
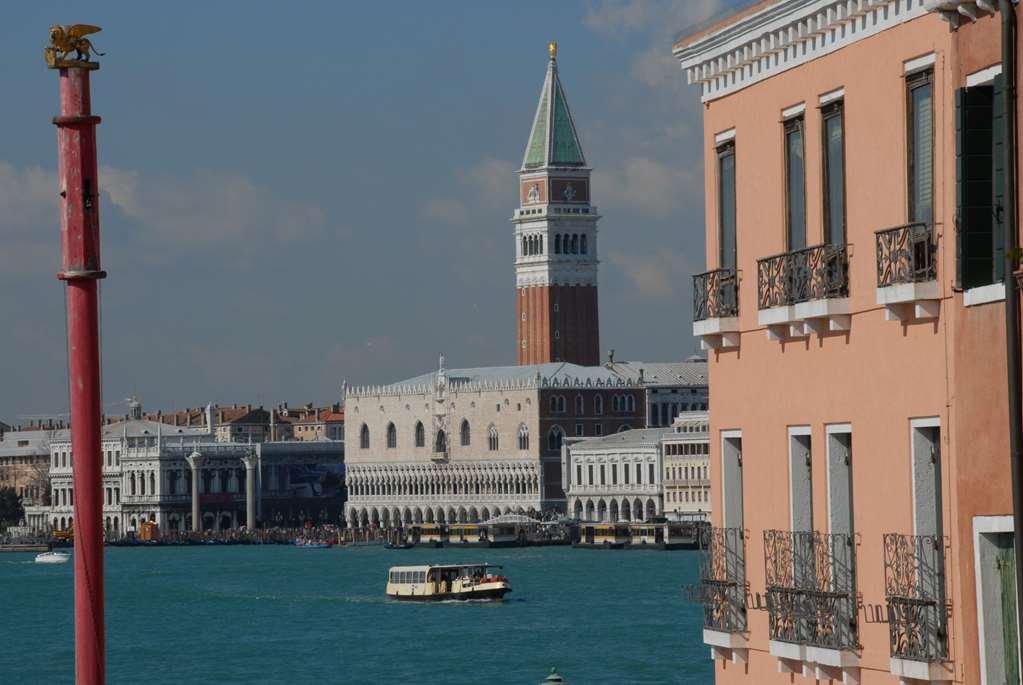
(392, 436)
(555, 438)
(523, 437)
(539, 243)
(575, 243)
(557, 243)
(616, 403)
(525, 246)
(464, 433)
(364, 437)
(492, 438)
(598, 405)
(582, 244)
(579, 405)
(420, 434)
(440, 444)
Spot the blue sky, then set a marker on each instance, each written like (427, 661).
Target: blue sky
(292, 198)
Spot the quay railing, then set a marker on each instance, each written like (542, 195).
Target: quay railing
(914, 579)
(723, 579)
(906, 254)
(715, 294)
(813, 273)
(811, 588)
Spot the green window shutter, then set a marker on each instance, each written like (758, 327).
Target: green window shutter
(974, 185)
(960, 97)
(998, 181)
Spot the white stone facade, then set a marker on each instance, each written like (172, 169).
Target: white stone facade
(616, 478)
(686, 477)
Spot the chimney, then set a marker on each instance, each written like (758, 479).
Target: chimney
(610, 357)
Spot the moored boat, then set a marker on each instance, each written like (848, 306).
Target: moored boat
(447, 582)
(313, 544)
(52, 558)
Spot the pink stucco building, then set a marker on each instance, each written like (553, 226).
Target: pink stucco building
(853, 309)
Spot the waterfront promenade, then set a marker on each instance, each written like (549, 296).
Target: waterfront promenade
(247, 614)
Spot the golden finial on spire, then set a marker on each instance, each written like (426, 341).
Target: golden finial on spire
(552, 49)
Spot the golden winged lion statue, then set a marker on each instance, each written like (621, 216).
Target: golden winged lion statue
(67, 38)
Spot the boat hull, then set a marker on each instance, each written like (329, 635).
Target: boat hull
(494, 594)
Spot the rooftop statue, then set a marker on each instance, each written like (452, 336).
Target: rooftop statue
(67, 38)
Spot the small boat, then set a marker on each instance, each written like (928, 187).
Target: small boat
(449, 582)
(52, 558)
(399, 545)
(313, 544)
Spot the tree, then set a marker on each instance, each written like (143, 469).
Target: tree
(11, 511)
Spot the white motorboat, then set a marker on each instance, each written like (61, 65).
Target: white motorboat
(52, 558)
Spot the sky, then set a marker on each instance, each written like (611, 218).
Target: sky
(293, 198)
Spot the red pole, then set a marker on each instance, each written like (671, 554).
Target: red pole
(79, 232)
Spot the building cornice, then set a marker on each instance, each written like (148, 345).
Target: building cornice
(782, 36)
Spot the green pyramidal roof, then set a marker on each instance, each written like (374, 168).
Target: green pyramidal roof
(553, 140)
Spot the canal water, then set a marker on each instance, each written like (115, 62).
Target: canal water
(277, 614)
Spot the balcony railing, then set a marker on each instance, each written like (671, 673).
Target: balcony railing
(723, 580)
(914, 579)
(811, 588)
(813, 273)
(905, 254)
(715, 294)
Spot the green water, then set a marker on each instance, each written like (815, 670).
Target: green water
(276, 614)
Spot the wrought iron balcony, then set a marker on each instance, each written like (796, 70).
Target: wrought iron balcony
(715, 294)
(723, 580)
(907, 272)
(813, 273)
(905, 254)
(804, 291)
(811, 588)
(716, 308)
(914, 580)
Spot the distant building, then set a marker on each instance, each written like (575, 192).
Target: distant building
(686, 452)
(24, 462)
(467, 444)
(671, 387)
(148, 468)
(320, 423)
(616, 477)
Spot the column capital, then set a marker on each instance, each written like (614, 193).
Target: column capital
(250, 461)
(195, 460)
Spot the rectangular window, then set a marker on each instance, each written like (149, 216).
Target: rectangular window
(980, 184)
(625, 472)
(602, 482)
(800, 480)
(598, 429)
(795, 185)
(840, 494)
(579, 429)
(639, 474)
(614, 474)
(731, 475)
(920, 145)
(590, 470)
(834, 173)
(650, 474)
(578, 475)
(726, 205)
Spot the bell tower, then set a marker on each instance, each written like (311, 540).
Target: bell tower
(555, 238)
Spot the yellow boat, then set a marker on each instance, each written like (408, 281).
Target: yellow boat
(448, 582)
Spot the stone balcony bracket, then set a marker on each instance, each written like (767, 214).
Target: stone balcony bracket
(792, 322)
(717, 333)
(908, 302)
(816, 663)
(724, 646)
(912, 672)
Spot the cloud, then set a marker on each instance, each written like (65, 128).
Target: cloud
(445, 210)
(209, 208)
(203, 210)
(657, 275)
(493, 182)
(647, 186)
(362, 361)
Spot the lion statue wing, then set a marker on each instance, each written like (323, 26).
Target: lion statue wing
(79, 30)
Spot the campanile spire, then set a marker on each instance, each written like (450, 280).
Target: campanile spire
(555, 237)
